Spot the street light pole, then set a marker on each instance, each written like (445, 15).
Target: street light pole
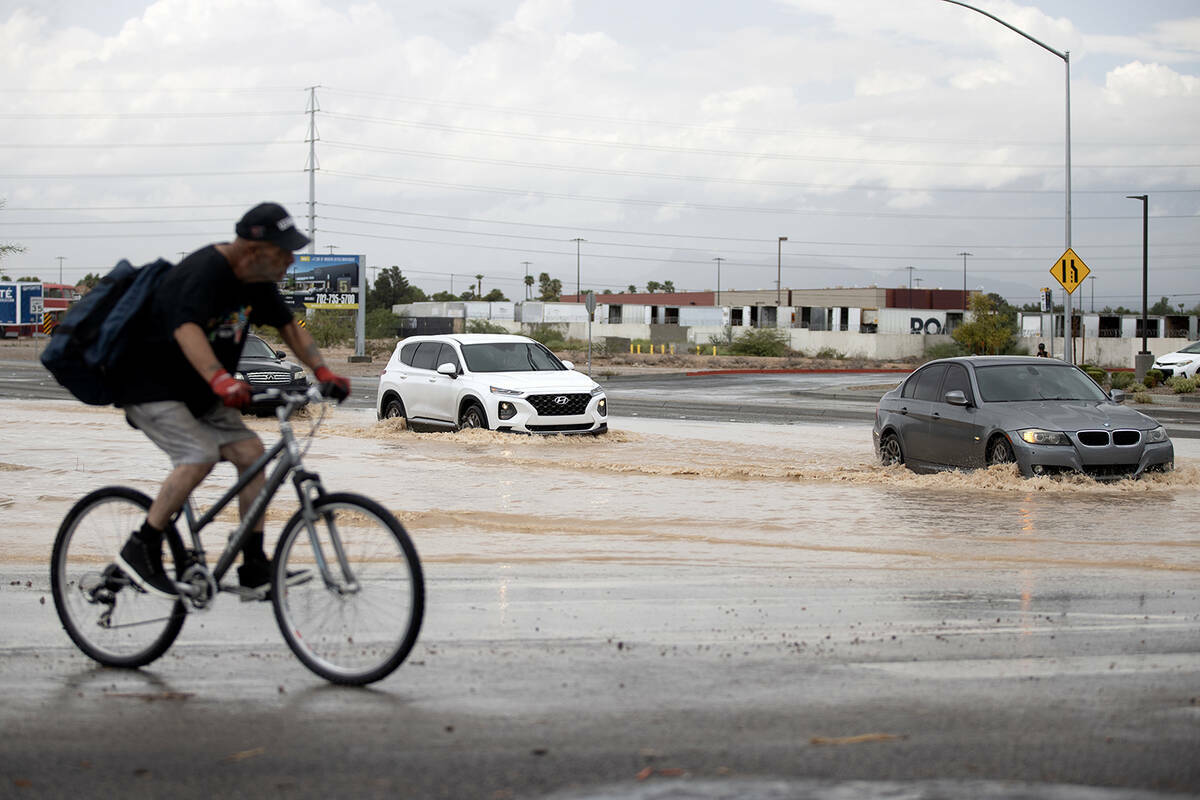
(718, 259)
(964, 255)
(779, 273)
(528, 285)
(1145, 359)
(578, 290)
(1065, 55)
(1092, 280)
(60, 260)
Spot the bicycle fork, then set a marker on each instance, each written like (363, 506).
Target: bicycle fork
(310, 491)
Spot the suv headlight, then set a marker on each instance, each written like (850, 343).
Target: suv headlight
(1156, 435)
(506, 392)
(597, 390)
(1039, 436)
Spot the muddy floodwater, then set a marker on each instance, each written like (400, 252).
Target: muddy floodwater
(803, 498)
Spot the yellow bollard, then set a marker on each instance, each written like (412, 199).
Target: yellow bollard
(639, 349)
(631, 348)
(714, 349)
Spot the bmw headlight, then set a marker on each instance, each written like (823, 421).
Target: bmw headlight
(1157, 435)
(1039, 436)
(506, 392)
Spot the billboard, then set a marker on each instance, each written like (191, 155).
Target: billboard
(322, 281)
(20, 303)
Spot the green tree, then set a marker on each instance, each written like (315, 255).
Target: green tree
(495, 296)
(444, 297)
(631, 289)
(993, 329)
(653, 286)
(528, 286)
(392, 288)
(29, 279)
(1162, 307)
(551, 288)
(668, 286)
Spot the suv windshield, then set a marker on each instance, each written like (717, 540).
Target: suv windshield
(1025, 382)
(257, 348)
(1194, 347)
(509, 357)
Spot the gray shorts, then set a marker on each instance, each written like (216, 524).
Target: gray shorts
(187, 439)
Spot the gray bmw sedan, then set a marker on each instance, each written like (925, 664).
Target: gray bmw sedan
(1045, 415)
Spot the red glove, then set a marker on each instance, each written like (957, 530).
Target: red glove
(233, 393)
(332, 385)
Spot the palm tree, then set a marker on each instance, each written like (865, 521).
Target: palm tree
(479, 286)
(668, 286)
(528, 287)
(631, 289)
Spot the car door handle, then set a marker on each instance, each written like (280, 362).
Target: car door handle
(936, 415)
(904, 410)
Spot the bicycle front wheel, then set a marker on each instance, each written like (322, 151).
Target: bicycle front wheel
(106, 616)
(352, 619)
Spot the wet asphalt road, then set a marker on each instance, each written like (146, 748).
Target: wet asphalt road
(644, 681)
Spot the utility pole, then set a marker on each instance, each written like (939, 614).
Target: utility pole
(964, 255)
(60, 260)
(1092, 278)
(578, 290)
(779, 273)
(1144, 360)
(910, 272)
(718, 259)
(528, 285)
(331, 246)
(312, 168)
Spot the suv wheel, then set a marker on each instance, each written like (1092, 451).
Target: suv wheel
(393, 408)
(472, 417)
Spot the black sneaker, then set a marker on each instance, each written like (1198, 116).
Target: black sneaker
(144, 569)
(255, 576)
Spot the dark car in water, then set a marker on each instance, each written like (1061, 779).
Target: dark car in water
(1046, 416)
(264, 367)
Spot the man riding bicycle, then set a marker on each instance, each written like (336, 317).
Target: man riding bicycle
(181, 393)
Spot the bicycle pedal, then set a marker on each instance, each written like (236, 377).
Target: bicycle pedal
(248, 595)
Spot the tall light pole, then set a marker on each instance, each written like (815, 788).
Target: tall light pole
(1065, 55)
(964, 255)
(1092, 281)
(578, 290)
(718, 259)
(60, 260)
(779, 273)
(910, 279)
(528, 285)
(1145, 359)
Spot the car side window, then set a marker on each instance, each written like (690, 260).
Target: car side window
(407, 352)
(910, 387)
(427, 353)
(448, 356)
(956, 378)
(928, 382)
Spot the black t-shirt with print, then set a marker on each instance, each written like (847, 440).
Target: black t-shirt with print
(201, 289)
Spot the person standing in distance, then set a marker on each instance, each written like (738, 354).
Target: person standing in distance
(181, 393)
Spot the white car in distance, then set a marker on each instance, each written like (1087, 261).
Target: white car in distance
(500, 382)
(1184, 362)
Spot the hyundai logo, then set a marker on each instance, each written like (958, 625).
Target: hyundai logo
(561, 400)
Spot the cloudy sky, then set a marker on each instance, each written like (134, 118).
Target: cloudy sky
(470, 136)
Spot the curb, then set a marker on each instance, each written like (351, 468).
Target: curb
(794, 371)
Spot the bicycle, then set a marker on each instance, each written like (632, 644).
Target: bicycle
(347, 587)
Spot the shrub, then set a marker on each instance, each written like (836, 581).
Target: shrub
(483, 326)
(1143, 397)
(829, 352)
(723, 338)
(1182, 385)
(1153, 377)
(1122, 380)
(548, 334)
(381, 323)
(944, 350)
(331, 327)
(761, 342)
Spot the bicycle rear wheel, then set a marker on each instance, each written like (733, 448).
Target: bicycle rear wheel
(357, 628)
(107, 617)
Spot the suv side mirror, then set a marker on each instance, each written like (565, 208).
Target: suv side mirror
(1118, 396)
(569, 364)
(448, 368)
(280, 354)
(955, 397)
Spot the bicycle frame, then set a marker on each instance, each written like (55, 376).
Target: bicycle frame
(308, 489)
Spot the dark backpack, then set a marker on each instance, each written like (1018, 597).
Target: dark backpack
(94, 334)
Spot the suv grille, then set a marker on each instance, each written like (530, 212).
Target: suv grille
(269, 377)
(559, 405)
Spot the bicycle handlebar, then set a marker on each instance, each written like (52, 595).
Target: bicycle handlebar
(294, 399)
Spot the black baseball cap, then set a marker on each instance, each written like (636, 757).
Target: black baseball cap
(270, 222)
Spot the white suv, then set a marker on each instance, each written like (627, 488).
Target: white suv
(1184, 362)
(475, 380)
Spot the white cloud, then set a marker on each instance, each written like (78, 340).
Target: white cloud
(1136, 81)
